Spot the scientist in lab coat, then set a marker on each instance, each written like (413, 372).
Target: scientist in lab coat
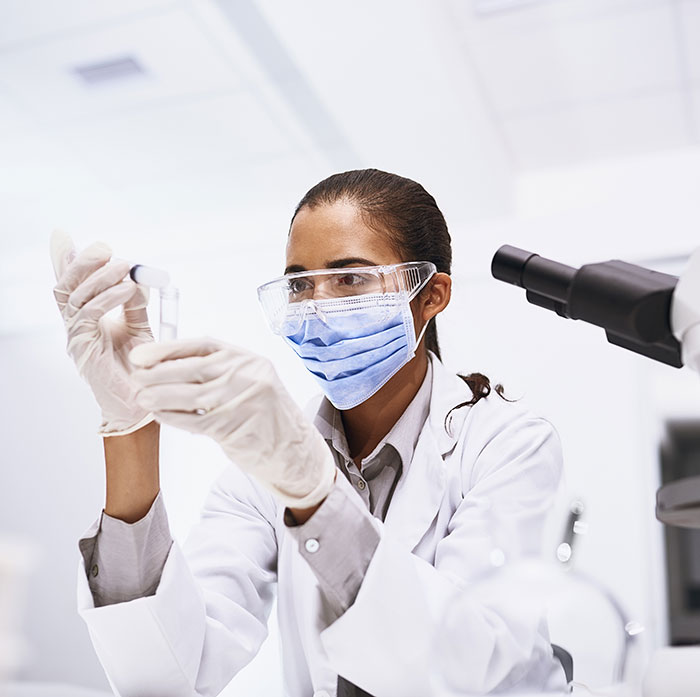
(371, 520)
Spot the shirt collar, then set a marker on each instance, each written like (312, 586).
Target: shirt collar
(403, 435)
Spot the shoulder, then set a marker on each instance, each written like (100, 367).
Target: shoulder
(498, 435)
(483, 421)
(493, 414)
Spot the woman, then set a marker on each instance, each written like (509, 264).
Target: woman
(373, 520)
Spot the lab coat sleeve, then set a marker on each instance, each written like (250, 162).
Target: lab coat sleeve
(338, 543)
(418, 618)
(125, 560)
(208, 616)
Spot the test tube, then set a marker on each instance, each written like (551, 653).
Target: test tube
(169, 301)
(169, 297)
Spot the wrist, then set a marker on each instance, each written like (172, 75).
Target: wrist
(301, 515)
(115, 428)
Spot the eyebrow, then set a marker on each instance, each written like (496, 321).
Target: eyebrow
(335, 264)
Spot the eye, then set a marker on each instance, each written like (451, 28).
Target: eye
(299, 286)
(350, 280)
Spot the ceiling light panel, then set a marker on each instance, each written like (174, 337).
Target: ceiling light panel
(177, 60)
(106, 72)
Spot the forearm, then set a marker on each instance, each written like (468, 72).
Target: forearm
(132, 473)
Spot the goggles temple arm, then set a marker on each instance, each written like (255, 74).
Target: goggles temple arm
(419, 287)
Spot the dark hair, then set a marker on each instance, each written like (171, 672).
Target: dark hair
(404, 211)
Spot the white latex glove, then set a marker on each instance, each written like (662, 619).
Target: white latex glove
(88, 286)
(235, 397)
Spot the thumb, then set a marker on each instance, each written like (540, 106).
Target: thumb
(135, 312)
(62, 251)
(139, 300)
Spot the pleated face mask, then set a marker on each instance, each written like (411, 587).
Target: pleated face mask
(352, 328)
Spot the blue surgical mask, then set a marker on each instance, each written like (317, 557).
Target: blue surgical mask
(354, 351)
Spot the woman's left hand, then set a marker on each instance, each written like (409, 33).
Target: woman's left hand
(234, 396)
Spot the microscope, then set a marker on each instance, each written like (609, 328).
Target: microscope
(656, 315)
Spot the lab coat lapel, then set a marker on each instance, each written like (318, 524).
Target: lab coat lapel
(418, 494)
(420, 491)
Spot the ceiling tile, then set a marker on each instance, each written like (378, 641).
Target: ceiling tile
(605, 129)
(530, 15)
(565, 63)
(22, 21)
(219, 135)
(394, 78)
(178, 60)
(690, 27)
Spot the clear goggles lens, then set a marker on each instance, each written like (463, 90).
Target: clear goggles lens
(287, 300)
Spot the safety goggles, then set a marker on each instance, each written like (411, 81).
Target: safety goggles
(289, 299)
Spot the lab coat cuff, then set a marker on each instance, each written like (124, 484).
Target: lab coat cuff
(123, 560)
(162, 627)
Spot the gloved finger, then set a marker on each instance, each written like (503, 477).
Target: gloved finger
(148, 355)
(84, 264)
(135, 313)
(139, 301)
(101, 304)
(194, 369)
(105, 277)
(184, 396)
(62, 251)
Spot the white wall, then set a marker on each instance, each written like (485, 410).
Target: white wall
(51, 478)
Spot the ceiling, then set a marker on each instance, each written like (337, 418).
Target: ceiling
(561, 81)
(570, 80)
(240, 105)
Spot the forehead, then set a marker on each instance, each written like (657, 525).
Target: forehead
(327, 233)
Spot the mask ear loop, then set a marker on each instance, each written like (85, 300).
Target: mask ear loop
(419, 338)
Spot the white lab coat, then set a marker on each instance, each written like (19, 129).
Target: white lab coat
(208, 616)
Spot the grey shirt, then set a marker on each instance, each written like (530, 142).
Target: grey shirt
(125, 561)
(345, 541)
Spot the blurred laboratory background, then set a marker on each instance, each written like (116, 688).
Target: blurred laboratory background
(183, 133)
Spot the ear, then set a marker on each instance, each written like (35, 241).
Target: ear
(436, 296)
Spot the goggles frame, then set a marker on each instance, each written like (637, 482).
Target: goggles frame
(393, 281)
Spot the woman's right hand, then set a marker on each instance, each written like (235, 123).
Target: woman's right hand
(89, 285)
